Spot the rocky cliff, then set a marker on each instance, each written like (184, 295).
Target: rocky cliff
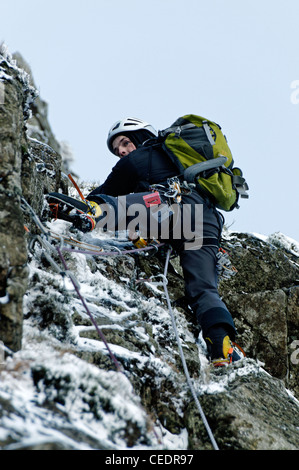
(100, 367)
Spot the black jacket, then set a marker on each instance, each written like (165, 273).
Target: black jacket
(135, 172)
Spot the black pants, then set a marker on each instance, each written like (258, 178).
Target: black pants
(198, 261)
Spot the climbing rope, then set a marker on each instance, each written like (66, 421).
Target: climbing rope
(189, 381)
(48, 248)
(65, 272)
(100, 333)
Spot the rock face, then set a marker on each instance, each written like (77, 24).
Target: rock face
(61, 389)
(264, 300)
(14, 109)
(28, 168)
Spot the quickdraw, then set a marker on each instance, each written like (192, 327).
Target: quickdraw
(173, 191)
(224, 265)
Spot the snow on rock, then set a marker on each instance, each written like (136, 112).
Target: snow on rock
(62, 389)
(67, 402)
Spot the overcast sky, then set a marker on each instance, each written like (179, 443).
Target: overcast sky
(234, 62)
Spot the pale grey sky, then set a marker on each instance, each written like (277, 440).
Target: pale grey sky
(96, 61)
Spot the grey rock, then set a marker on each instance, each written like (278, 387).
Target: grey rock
(61, 378)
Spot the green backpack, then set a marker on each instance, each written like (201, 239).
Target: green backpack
(192, 140)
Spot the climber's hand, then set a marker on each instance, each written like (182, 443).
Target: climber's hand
(87, 222)
(84, 222)
(95, 210)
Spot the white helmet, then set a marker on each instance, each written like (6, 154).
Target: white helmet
(129, 125)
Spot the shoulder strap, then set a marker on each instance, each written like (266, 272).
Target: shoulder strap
(149, 166)
(176, 129)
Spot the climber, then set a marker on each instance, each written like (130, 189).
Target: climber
(142, 165)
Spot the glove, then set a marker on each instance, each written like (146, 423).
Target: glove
(86, 222)
(83, 222)
(95, 210)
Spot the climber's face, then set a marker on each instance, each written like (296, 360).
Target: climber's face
(122, 146)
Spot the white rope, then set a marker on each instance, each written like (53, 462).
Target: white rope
(201, 412)
(48, 248)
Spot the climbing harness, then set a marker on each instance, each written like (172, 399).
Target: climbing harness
(172, 190)
(81, 247)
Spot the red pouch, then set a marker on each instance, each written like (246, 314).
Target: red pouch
(152, 199)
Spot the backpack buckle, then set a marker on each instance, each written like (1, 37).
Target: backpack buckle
(178, 132)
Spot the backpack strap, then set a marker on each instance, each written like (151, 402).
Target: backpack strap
(206, 127)
(240, 185)
(193, 171)
(149, 165)
(176, 129)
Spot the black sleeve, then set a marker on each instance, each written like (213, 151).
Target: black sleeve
(121, 181)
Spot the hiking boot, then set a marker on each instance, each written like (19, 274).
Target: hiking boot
(220, 348)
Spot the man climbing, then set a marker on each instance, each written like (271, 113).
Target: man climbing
(143, 165)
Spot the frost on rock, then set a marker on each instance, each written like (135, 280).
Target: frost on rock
(70, 404)
(62, 390)
(8, 63)
(61, 369)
